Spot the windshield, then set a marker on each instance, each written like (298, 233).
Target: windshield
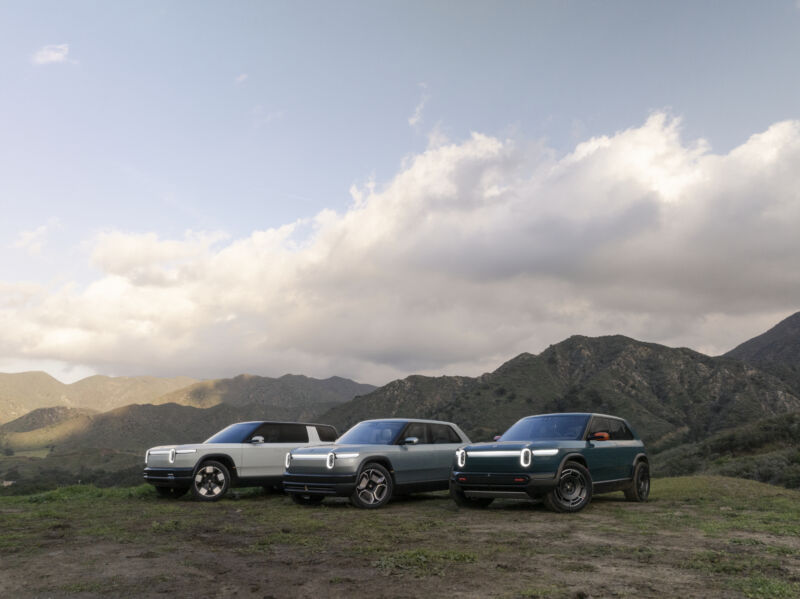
(235, 433)
(378, 432)
(557, 427)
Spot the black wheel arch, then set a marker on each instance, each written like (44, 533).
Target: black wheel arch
(572, 457)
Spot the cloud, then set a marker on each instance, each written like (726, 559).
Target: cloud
(51, 54)
(475, 251)
(241, 78)
(416, 118)
(35, 240)
(262, 117)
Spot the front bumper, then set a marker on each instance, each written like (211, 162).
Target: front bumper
(338, 485)
(169, 477)
(523, 485)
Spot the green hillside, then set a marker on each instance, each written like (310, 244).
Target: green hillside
(777, 351)
(24, 392)
(290, 391)
(767, 450)
(670, 395)
(107, 449)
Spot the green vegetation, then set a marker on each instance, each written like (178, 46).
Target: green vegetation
(766, 450)
(672, 396)
(724, 536)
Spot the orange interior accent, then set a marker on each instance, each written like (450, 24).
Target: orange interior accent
(601, 436)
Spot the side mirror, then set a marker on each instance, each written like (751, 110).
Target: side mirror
(599, 437)
(257, 439)
(496, 437)
(410, 440)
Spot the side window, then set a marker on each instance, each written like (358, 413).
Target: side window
(292, 433)
(270, 431)
(601, 425)
(621, 432)
(415, 429)
(326, 433)
(441, 433)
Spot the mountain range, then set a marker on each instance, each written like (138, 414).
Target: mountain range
(732, 414)
(670, 395)
(25, 391)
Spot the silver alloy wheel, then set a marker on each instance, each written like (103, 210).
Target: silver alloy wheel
(209, 481)
(571, 489)
(372, 487)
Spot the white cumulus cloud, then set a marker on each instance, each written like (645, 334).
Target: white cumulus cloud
(475, 251)
(34, 240)
(416, 118)
(50, 54)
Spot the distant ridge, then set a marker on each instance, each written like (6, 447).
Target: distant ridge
(290, 391)
(777, 351)
(779, 345)
(670, 395)
(23, 392)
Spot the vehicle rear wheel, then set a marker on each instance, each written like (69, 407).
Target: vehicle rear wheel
(171, 492)
(306, 498)
(573, 491)
(640, 487)
(462, 500)
(211, 481)
(374, 487)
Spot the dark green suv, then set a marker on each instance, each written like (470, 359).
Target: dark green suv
(561, 458)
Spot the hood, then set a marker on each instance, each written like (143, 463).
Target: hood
(513, 445)
(326, 449)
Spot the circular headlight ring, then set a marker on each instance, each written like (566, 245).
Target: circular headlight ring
(330, 460)
(461, 458)
(525, 457)
(288, 459)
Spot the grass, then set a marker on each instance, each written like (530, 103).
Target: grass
(727, 537)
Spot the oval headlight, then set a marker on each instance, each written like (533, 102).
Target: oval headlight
(288, 459)
(331, 459)
(461, 458)
(146, 456)
(525, 457)
(172, 456)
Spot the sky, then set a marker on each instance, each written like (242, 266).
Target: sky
(375, 189)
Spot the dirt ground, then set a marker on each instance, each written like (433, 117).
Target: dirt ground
(697, 537)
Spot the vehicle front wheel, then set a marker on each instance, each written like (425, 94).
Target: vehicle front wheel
(462, 500)
(211, 481)
(374, 487)
(573, 491)
(171, 492)
(306, 498)
(640, 488)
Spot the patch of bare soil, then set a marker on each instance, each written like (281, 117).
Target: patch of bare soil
(264, 546)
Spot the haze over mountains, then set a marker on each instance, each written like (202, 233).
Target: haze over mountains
(25, 391)
(733, 414)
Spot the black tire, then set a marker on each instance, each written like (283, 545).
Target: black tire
(374, 487)
(211, 481)
(171, 492)
(462, 500)
(640, 487)
(306, 498)
(573, 491)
